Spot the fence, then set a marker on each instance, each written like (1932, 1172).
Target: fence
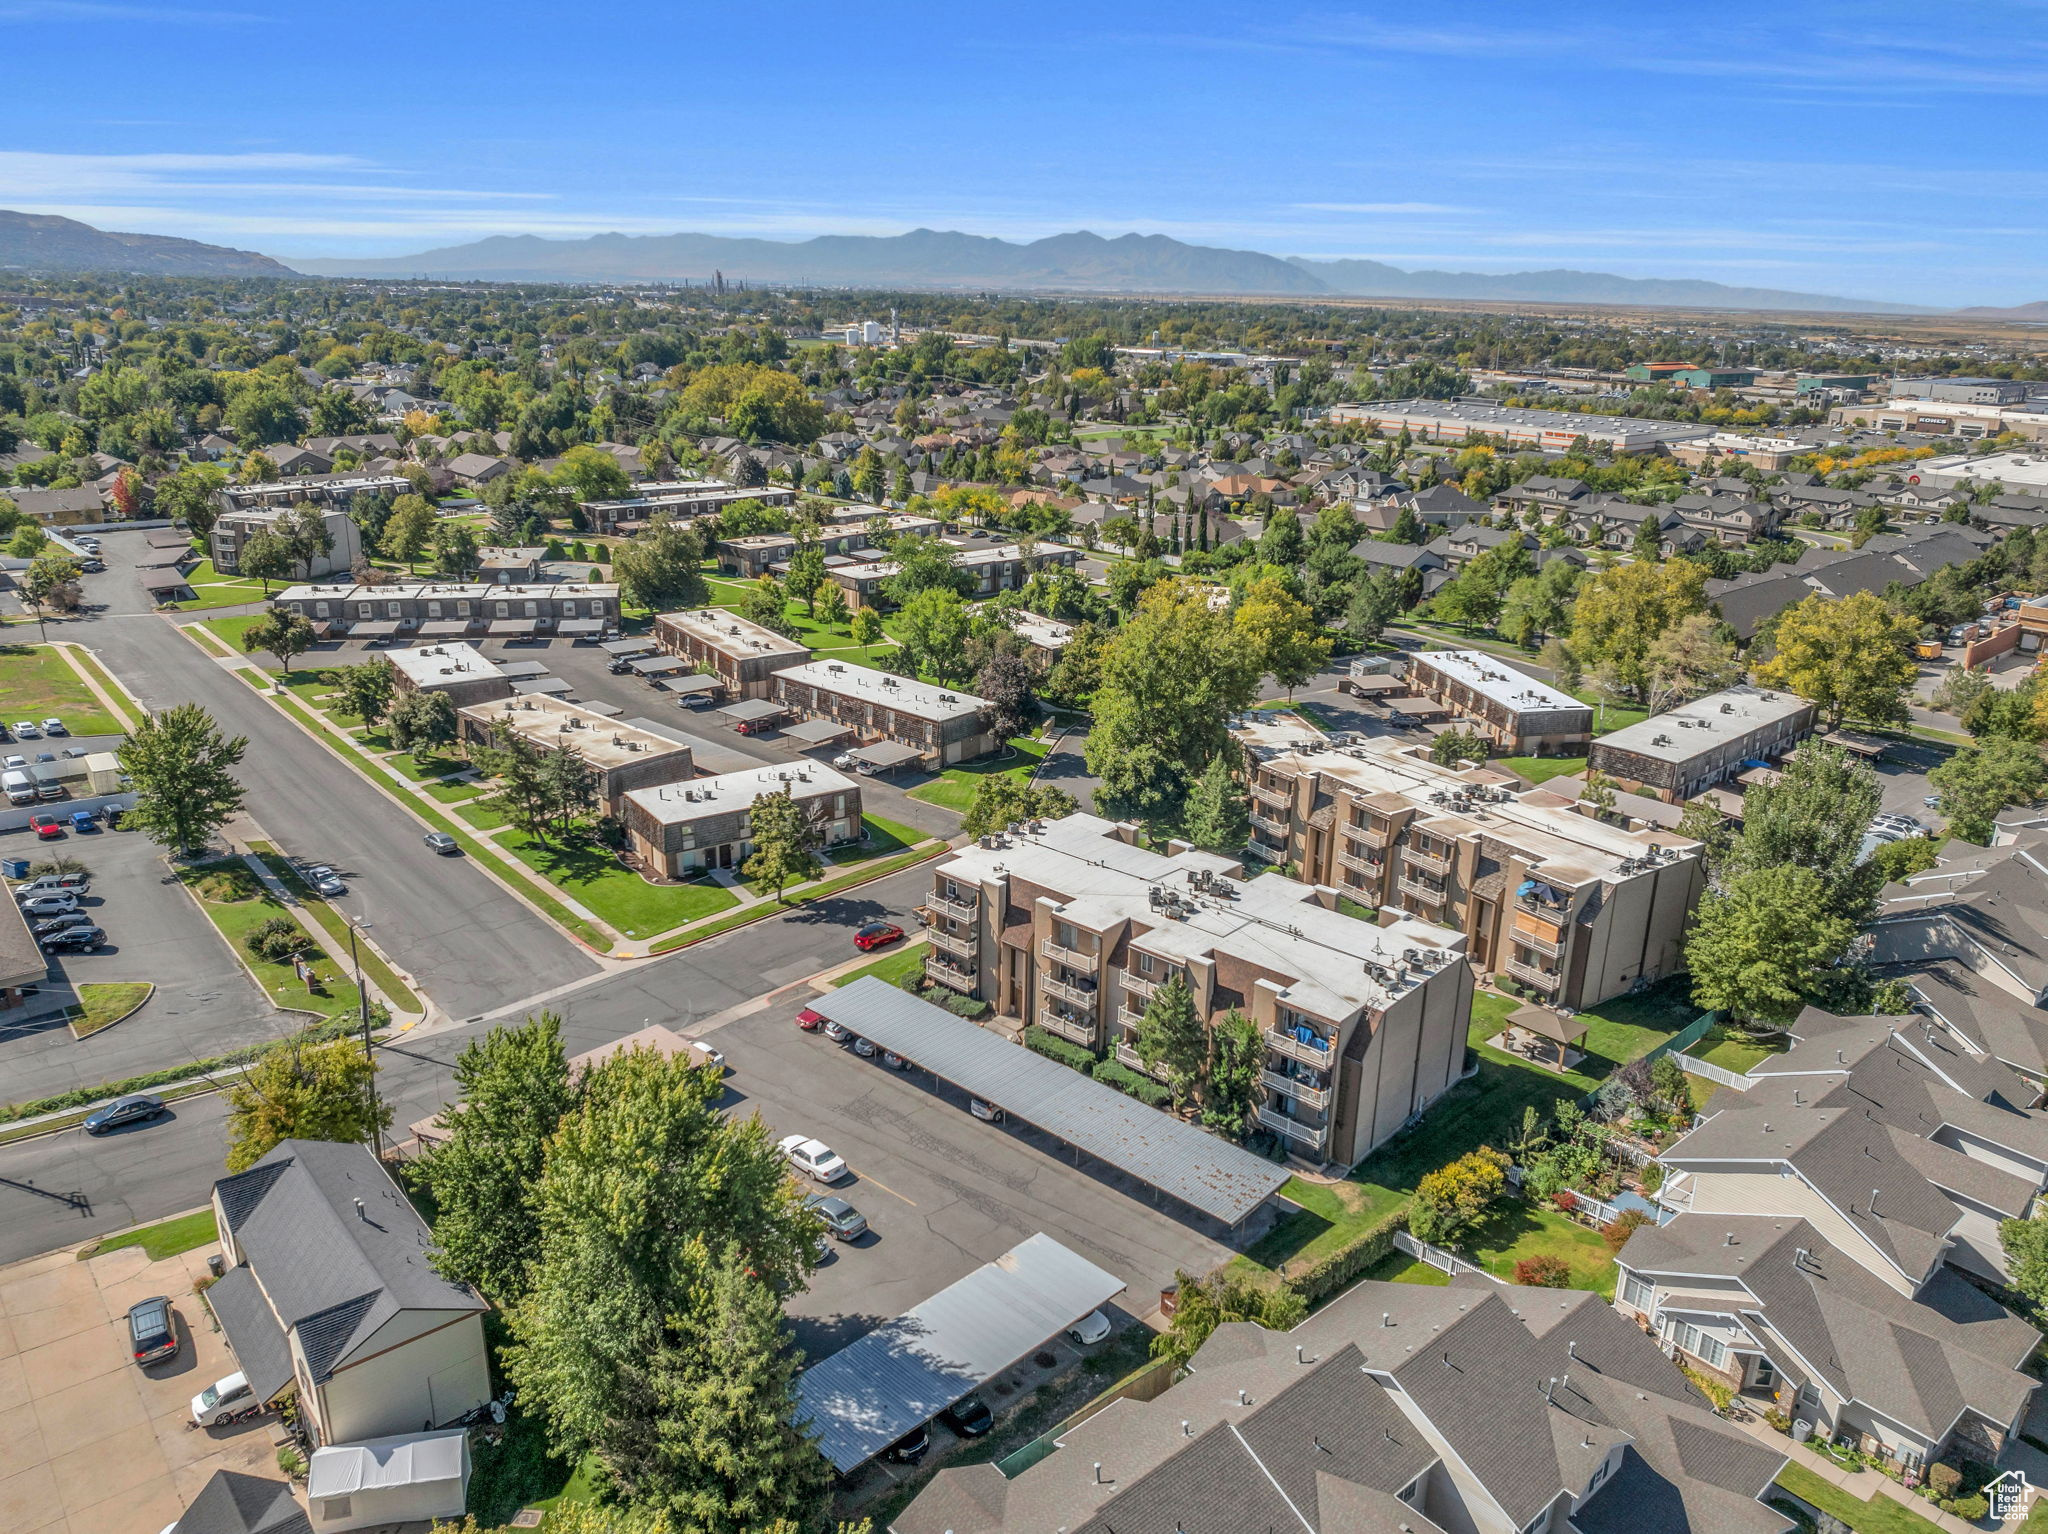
(1437, 1257)
(1708, 1071)
(1686, 1037)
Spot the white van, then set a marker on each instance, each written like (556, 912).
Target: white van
(20, 787)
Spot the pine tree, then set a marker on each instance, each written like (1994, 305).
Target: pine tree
(1171, 1036)
(1230, 1096)
(1215, 815)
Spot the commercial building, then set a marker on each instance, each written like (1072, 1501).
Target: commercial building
(1572, 907)
(462, 672)
(679, 500)
(449, 610)
(1940, 418)
(683, 828)
(742, 654)
(1395, 1409)
(1692, 375)
(1768, 453)
(2018, 472)
(992, 570)
(620, 756)
(232, 531)
(941, 725)
(1679, 755)
(340, 491)
(1830, 1206)
(1520, 715)
(1455, 420)
(1964, 391)
(1069, 925)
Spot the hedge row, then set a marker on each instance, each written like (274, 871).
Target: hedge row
(1053, 1047)
(1114, 1073)
(1333, 1272)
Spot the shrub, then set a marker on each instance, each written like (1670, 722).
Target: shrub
(1544, 1271)
(277, 939)
(290, 1461)
(965, 1006)
(1565, 1200)
(1617, 1230)
(1340, 1267)
(1114, 1073)
(1943, 1479)
(1653, 1177)
(1970, 1509)
(1053, 1047)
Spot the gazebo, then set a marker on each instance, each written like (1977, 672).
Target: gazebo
(1544, 1037)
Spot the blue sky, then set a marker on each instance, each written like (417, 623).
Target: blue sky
(1879, 149)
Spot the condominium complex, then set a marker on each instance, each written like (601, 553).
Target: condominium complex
(682, 828)
(1071, 926)
(1681, 754)
(620, 756)
(755, 554)
(678, 500)
(939, 725)
(454, 610)
(1520, 715)
(742, 654)
(1572, 907)
(232, 531)
(998, 569)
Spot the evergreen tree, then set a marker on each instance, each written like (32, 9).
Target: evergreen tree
(1230, 1097)
(1171, 1037)
(1215, 816)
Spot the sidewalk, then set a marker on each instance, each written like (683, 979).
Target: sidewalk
(1860, 1484)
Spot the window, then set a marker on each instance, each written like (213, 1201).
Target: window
(319, 609)
(568, 609)
(1638, 1291)
(532, 609)
(462, 609)
(392, 609)
(1145, 962)
(433, 609)
(1766, 1376)
(504, 609)
(1703, 1345)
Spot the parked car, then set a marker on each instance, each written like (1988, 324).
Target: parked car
(89, 544)
(78, 882)
(843, 761)
(836, 1032)
(876, 934)
(810, 1021)
(442, 842)
(24, 729)
(135, 1108)
(864, 1047)
(1090, 1329)
(64, 923)
(969, 1417)
(49, 903)
(814, 1158)
(81, 821)
(619, 666)
(73, 753)
(218, 1403)
(46, 827)
(74, 940)
(153, 1329)
(755, 726)
(54, 727)
(15, 763)
(841, 1219)
(324, 879)
(698, 700)
(894, 1061)
(911, 1447)
(93, 566)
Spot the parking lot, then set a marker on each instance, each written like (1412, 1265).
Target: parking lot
(87, 1439)
(204, 1003)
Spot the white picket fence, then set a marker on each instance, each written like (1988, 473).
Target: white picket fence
(1437, 1257)
(1712, 1072)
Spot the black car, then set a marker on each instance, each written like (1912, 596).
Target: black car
(969, 1417)
(54, 924)
(73, 940)
(619, 666)
(911, 1447)
(136, 1108)
(153, 1330)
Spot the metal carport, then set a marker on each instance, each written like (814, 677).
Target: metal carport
(906, 1371)
(1200, 1170)
(887, 755)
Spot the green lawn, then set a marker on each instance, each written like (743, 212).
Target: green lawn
(211, 589)
(954, 788)
(890, 970)
(454, 793)
(484, 816)
(235, 901)
(885, 838)
(1540, 769)
(1400, 1268)
(166, 1238)
(1734, 1050)
(229, 631)
(83, 657)
(102, 1002)
(1517, 1230)
(1609, 717)
(593, 877)
(315, 905)
(37, 682)
(1878, 1515)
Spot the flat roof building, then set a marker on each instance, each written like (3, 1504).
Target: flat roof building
(463, 672)
(679, 500)
(1455, 420)
(339, 490)
(1069, 925)
(451, 610)
(756, 553)
(683, 828)
(1520, 715)
(1046, 634)
(993, 570)
(743, 655)
(1677, 755)
(943, 724)
(621, 756)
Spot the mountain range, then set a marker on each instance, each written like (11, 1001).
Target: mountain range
(43, 242)
(1078, 262)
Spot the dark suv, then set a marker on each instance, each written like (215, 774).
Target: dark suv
(153, 1330)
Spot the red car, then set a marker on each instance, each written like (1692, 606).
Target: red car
(810, 1021)
(875, 934)
(48, 827)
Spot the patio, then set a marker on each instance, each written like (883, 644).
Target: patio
(1542, 1037)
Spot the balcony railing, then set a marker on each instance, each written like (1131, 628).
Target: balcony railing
(1417, 889)
(1371, 868)
(1548, 979)
(1130, 1057)
(1428, 862)
(1263, 852)
(959, 979)
(1073, 958)
(1314, 1136)
(1277, 798)
(1050, 985)
(1268, 823)
(965, 947)
(1288, 1045)
(1080, 1030)
(1550, 943)
(1555, 910)
(1128, 1016)
(1300, 1091)
(1371, 835)
(947, 905)
(1138, 985)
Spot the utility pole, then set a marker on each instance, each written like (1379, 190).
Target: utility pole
(363, 1008)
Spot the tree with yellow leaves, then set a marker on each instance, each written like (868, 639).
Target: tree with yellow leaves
(1620, 613)
(1850, 657)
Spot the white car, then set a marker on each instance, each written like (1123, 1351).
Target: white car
(843, 761)
(50, 903)
(25, 729)
(814, 1158)
(217, 1403)
(16, 761)
(54, 727)
(1090, 1329)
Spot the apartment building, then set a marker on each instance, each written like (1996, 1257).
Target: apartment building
(679, 500)
(1071, 926)
(451, 610)
(621, 757)
(1572, 907)
(462, 672)
(1433, 420)
(232, 531)
(758, 553)
(1829, 1211)
(992, 570)
(942, 726)
(1395, 1409)
(743, 655)
(682, 828)
(1679, 755)
(1520, 715)
(339, 491)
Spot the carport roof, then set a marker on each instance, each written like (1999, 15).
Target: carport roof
(660, 665)
(445, 628)
(638, 645)
(885, 754)
(1199, 1169)
(753, 708)
(549, 686)
(513, 627)
(379, 628)
(689, 683)
(261, 1352)
(818, 732)
(580, 626)
(904, 1372)
(163, 580)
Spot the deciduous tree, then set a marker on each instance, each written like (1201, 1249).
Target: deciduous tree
(1975, 785)
(1281, 633)
(183, 771)
(1620, 613)
(267, 556)
(1760, 948)
(1851, 657)
(283, 634)
(660, 570)
(409, 530)
(365, 690)
(783, 833)
(421, 722)
(933, 626)
(298, 1091)
(1009, 685)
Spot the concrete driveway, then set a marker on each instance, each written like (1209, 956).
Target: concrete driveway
(89, 1442)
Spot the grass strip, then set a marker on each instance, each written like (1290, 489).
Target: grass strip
(103, 1003)
(331, 921)
(124, 700)
(1878, 1515)
(236, 902)
(167, 1238)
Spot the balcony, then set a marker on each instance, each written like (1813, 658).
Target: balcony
(1131, 1058)
(1556, 910)
(962, 910)
(1545, 979)
(1275, 797)
(1073, 958)
(1079, 1030)
(1300, 1091)
(965, 947)
(1288, 1045)
(1268, 824)
(1371, 835)
(1551, 943)
(1313, 1136)
(1139, 986)
(1426, 862)
(1049, 985)
(1419, 890)
(1129, 1017)
(938, 969)
(1372, 868)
